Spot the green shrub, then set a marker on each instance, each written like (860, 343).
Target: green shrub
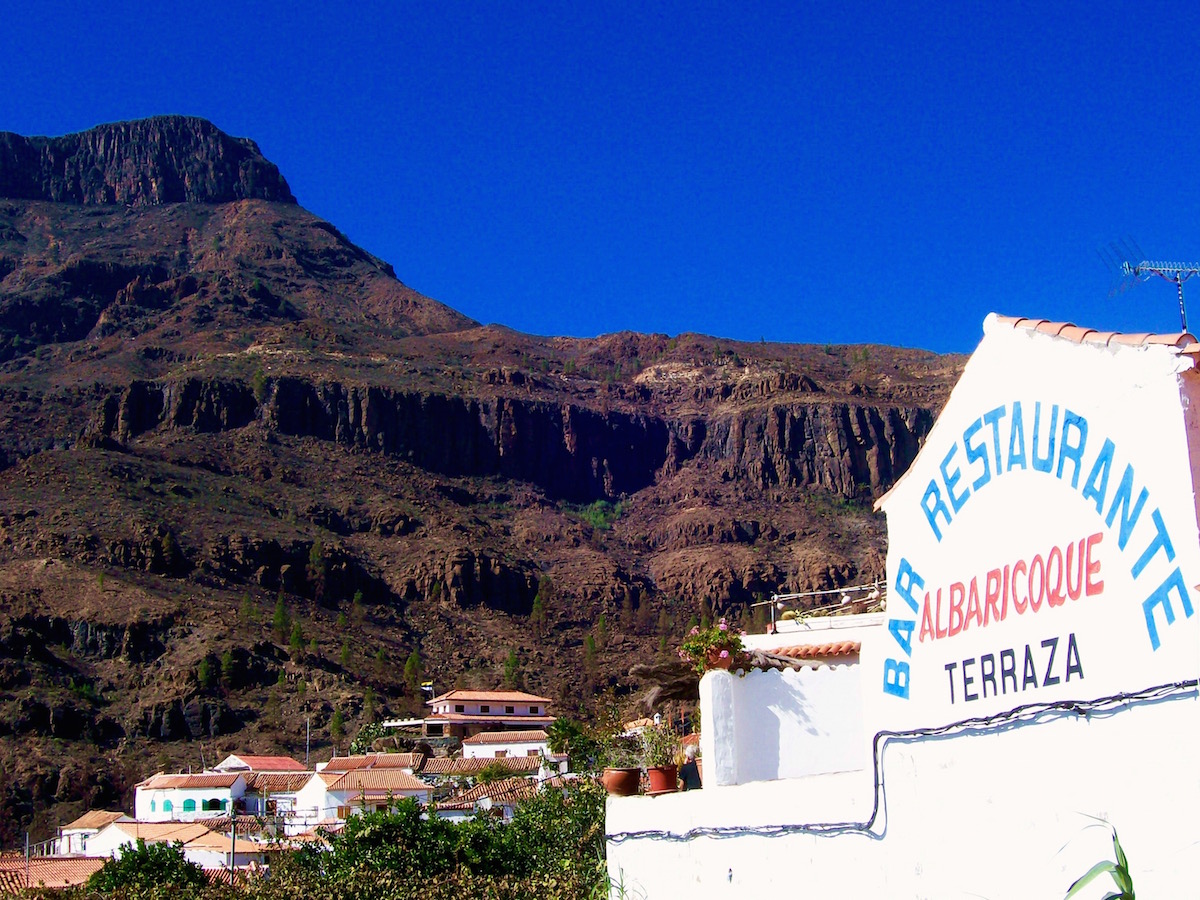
(148, 869)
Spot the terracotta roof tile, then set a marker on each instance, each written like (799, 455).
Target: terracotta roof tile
(277, 782)
(452, 767)
(508, 737)
(508, 790)
(153, 832)
(378, 780)
(820, 651)
(1071, 332)
(51, 871)
(374, 761)
(185, 780)
(96, 818)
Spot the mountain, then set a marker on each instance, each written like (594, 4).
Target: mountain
(248, 477)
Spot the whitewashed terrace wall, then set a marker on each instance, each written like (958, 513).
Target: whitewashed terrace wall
(995, 815)
(781, 724)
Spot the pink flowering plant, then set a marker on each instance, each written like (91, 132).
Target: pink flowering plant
(719, 645)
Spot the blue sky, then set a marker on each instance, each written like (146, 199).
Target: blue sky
(828, 173)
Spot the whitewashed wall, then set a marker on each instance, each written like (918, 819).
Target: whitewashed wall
(769, 725)
(975, 815)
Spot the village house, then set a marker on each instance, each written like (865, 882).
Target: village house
(335, 796)
(270, 765)
(1027, 694)
(495, 798)
(183, 797)
(501, 744)
(73, 838)
(461, 713)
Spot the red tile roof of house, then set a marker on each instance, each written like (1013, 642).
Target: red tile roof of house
(51, 871)
(154, 832)
(508, 737)
(508, 791)
(358, 780)
(451, 767)
(374, 761)
(489, 697)
(276, 782)
(820, 651)
(94, 820)
(184, 780)
(269, 763)
(245, 824)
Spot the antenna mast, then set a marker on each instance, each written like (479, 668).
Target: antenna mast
(1175, 272)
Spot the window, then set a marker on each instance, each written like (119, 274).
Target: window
(168, 806)
(153, 808)
(458, 707)
(484, 709)
(532, 753)
(500, 754)
(343, 812)
(510, 709)
(533, 710)
(189, 805)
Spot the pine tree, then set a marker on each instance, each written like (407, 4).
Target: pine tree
(296, 641)
(281, 621)
(512, 674)
(412, 673)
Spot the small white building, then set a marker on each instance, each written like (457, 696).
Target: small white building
(183, 797)
(502, 744)
(245, 762)
(202, 846)
(335, 796)
(73, 838)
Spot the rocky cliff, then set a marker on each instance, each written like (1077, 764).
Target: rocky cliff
(165, 159)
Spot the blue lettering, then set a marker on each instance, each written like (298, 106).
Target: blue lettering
(907, 581)
(977, 454)
(932, 503)
(1039, 463)
(1073, 452)
(1160, 541)
(902, 630)
(993, 417)
(1162, 597)
(1121, 499)
(951, 480)
(1016, 440)
(895, 678)
(1100, 468)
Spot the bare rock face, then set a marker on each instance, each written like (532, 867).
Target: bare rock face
(149, 162)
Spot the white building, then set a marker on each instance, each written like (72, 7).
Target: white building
(272, 765)
(335, 796)
(73, 838)
(1035, 673)
(200, 845)
(464, 713)
(501, 744)
(183, 797)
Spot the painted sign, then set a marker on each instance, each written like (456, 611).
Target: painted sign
(1043, 547)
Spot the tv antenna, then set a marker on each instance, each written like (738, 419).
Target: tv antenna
(1120, 258)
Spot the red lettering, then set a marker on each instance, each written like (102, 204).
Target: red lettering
(1040, 565)
(1093, 568)
(1004, 594)
(991, 596)
(1074, 592)
(1055, 595)
(973, 608)
(956, 609)
(937, 619)
(1019, 605)
(926, 622)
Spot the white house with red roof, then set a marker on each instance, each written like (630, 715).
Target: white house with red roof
(1031, 688)
(501, 744)
(335, 796)
(182, 797)
(462, 713)
(73, 838)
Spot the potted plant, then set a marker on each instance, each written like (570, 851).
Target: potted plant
(715, 647)
(621, 776)
(660, 747)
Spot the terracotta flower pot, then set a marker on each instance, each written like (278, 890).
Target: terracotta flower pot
(662, 779)
(714, 660)
(621, 782)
